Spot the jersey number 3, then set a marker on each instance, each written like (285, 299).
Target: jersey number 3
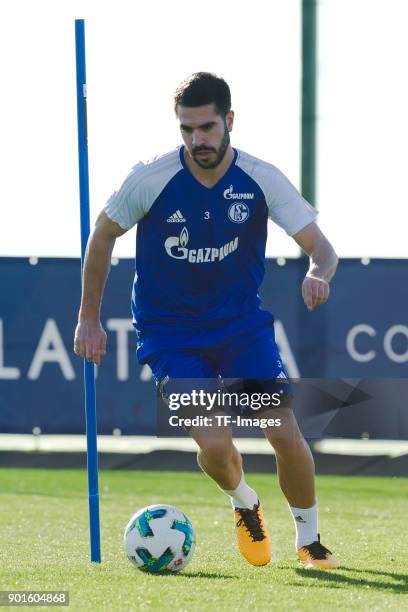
(206, 214)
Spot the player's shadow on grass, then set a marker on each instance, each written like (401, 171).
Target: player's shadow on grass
(339, 579)
(211, 575)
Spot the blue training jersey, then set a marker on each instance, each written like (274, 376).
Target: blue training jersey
(200, 252)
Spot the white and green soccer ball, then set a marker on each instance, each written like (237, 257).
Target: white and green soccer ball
(159, 538)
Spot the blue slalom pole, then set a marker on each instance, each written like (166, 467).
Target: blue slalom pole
(89, 368)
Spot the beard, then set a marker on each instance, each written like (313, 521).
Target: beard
(220, 152)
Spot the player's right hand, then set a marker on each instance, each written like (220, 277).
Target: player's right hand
(90, 340)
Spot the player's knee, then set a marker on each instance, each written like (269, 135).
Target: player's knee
(219, 452)
(294, 448)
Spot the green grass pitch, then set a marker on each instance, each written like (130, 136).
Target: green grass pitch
(44, 544)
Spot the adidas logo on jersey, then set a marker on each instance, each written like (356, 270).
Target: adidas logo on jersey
(176, 217)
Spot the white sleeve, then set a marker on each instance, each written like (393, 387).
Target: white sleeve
(128, 205)
(287, 208)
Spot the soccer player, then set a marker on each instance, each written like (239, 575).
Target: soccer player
(201, 212)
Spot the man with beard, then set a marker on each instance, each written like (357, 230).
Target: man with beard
(202, 213)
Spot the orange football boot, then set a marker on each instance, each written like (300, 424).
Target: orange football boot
(316, 555)
(252, 535)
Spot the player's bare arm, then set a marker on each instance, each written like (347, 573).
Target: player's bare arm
(90, 337)
(323, 264)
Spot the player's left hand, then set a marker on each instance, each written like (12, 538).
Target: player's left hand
(315, 291)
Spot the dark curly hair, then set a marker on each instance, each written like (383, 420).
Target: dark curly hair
(204, 88)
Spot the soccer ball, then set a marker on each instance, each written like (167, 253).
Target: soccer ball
(159, 538)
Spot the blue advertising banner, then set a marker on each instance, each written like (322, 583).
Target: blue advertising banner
(361, 333)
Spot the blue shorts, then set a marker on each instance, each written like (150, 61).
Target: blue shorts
(252, 357)
(247, 355)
